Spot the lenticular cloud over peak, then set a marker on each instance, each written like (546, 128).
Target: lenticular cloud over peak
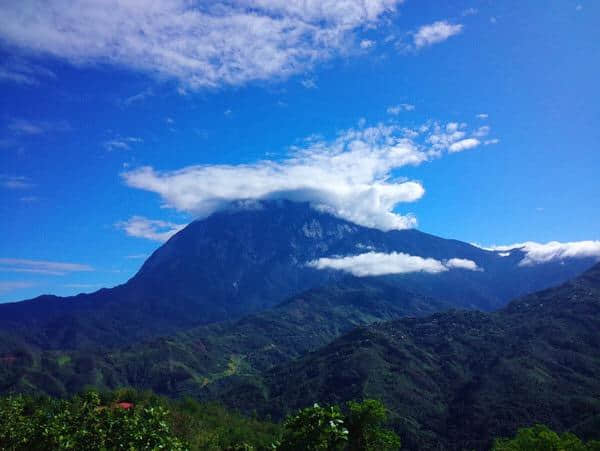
(351, 177)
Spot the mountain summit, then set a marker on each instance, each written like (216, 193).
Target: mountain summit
(251, 257)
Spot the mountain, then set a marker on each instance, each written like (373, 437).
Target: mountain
(457, 379)
(202, 359)
(253, 256)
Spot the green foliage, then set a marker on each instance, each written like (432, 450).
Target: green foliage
(315, 428)
(82, 423)
(364, 425)
(541, 438)
(95, 421)
(212, 427)
(327, 428)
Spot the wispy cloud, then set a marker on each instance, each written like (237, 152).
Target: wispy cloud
(201, 44)
(349, 176)
(136, 256)
(378, 264)
(309, 83)
(435, 33)
(463, 144)
(19, 71)
(15, 182)
(137, 98)
(28, 127)
(122, 143)
(536, 253)
(41, 266)
(482, 131)
(29, 199)
(397, 109)
(25, 127)
(482, 116)
(469, 12)
(83, 286)
(6, 286)
(151, 229)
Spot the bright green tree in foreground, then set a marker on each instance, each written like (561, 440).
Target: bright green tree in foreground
(327, 428)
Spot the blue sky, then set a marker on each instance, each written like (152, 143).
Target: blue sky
(83, 111)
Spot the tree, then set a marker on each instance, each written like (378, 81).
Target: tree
(82, 423)
(364, 422)
(315, 428)
(541, 438)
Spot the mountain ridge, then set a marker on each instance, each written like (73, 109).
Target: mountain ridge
(245, 260)
(457, 379)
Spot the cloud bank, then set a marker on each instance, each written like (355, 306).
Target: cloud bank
(201, 44)
(151, 229)
(379, 264)
(536, 253)
(350, 177)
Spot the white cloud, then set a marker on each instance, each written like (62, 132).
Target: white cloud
(7, 286)
(397, 109)
(351, 176)
(41, 266)
(121, 143)
(462, 263)
(201, 44)
(488, 142)
(366, 44)
(482, 131)
(441, 138)
(469, 12)
(151, 229)
(434, 33)
(463, 144)
(378, 263)
(536, 253)
(482, 116)
(451, 127)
